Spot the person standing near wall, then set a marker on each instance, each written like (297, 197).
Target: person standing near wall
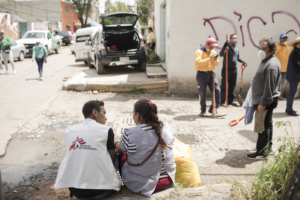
(265, 93)
(233, 57)
(206, 59)
(151, 39)
(39, 54)
(7, 54)
(293, 76)
(283, 51)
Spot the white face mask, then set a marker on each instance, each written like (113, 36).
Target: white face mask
(285, 43)
(40, 45)
(261, 54)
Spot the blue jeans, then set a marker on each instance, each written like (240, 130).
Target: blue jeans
(40, 62)
(108, 193)
(291, 96)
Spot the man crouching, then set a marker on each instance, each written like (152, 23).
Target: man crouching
(89, 169)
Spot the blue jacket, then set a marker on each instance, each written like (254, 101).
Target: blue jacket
(293, 69)
(233, 57)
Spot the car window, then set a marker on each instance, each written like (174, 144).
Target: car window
(33, 35)
(83, 38)
(111, 21)
(49, 36)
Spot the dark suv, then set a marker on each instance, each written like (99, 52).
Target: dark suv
(118, 43)
(66, 38)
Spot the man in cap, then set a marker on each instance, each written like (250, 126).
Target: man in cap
(206, 59)
(5, 44)
(233, 57)
(150, 39)
(293, 76)
(282, 53)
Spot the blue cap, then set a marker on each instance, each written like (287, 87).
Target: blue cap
(282, 35)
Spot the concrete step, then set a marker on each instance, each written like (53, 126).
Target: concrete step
(155, 71)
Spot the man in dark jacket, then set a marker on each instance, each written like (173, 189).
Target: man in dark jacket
(233, 57)
(265, 93)
(293, 76)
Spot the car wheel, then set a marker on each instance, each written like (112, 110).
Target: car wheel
(89, 62)
(21, 56)
(99, 67)
(57, 50)
(142, 66)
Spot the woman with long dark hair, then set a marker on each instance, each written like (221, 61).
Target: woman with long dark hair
(146, 152)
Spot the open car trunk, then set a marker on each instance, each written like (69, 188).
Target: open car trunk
(121, 41)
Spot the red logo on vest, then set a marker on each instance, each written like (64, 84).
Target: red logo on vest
(77, 143)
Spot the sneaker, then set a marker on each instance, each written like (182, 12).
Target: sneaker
(202, 114)
(6, 72)
(292, 113)
(15, 72)
(41, 78)
(210, 109)
(256, 156)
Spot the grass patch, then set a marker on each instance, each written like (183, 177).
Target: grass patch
(178, 186)
(136, 90)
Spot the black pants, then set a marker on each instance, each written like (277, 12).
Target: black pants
(266, 137)
(232, 75)
(153, 46)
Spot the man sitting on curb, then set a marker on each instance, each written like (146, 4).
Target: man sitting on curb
(89, 169)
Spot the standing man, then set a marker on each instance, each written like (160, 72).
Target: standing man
(233, 57)
(283, 51)
(150, 39)
(293, 76)
(265, 93)
(7, 54)
(206, 59)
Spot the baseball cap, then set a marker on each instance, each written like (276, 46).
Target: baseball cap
(212, 42)
(283, 35)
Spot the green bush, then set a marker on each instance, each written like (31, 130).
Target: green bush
(143, 30)
(152, 57)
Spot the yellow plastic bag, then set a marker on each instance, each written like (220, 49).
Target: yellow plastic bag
(187, 173)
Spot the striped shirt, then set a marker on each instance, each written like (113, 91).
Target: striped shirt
(130, 148)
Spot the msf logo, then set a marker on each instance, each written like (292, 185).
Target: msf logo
(77, 143)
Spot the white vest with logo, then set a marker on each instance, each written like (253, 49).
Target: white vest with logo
(88, 164)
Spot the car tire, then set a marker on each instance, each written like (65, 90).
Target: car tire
(21, 56)
(99, 67)
(89, 62)
(57, 50)
(142, 66)
(85, 62)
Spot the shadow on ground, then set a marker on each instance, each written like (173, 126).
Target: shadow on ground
(250, 135)
(280, 115)
(236, 159)
(188, 118)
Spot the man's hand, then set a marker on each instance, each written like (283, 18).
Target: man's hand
(226, 44)
(244, 63)
(4, 44)
(116, 142)
(214, 56)
(150, 44)
(261, 109)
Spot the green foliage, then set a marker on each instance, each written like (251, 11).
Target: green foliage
(117, 7)
(84, 8)
(142, 10)
(152, 57)
(143, 30)
(108, 22)
(272, 180)
(136, 90)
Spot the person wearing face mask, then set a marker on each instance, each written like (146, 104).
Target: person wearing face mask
(265, 93)
(233, 57)
(293, 76)
(39, 54)
(206, 59)
(7, 54)
(283, 51)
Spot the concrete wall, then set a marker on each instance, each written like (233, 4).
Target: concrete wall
(190, 23)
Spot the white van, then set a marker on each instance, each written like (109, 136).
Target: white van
(82, 36)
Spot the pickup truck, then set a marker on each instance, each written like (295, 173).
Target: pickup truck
(30, 38)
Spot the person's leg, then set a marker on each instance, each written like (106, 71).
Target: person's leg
(163, 183)
(4, 56)
(282, 85)
(291, 96)
(202, 80)
(217, 90)
(232, 76)
(223, 86)
(11, 60)
(102, 196)
(40, 64)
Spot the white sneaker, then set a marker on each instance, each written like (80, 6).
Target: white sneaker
(6, 72)
(15, 72)
(41, 78)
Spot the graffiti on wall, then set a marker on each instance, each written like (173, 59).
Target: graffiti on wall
(239, 15)
(10, 29)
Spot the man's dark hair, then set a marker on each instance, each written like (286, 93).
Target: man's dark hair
(150, 28)
(231, 36)
(270, 42)
(90, 106)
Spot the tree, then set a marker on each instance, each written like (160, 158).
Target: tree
(142, 10)
(119, 7)
(84, 10)
(108, 4)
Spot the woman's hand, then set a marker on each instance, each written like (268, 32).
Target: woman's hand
(116, 142)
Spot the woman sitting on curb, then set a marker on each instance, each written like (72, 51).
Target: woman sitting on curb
(146, 152)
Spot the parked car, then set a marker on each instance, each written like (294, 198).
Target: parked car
(82, 36)
(18, 50)
(31, 37)
(118, 43)
(66, 37)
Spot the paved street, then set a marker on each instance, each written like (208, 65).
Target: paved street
(23, 96)
(37, 113)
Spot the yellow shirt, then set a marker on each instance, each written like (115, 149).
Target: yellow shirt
(150, 37)
(283, 54)
(203, 61)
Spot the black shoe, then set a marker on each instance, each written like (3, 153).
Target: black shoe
(256, 156)
(292, 113)
(202, 114)
(210, 109)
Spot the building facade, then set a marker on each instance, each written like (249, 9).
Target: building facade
(182, 26)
